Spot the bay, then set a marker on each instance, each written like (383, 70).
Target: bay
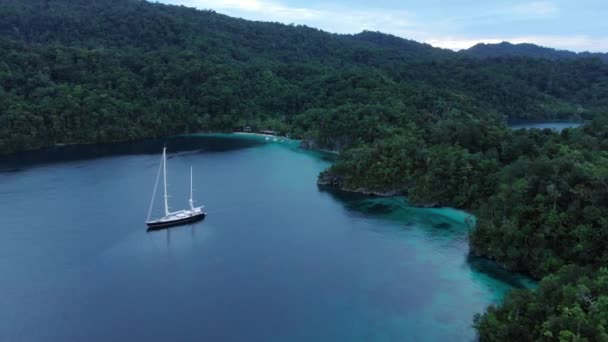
(277, 258)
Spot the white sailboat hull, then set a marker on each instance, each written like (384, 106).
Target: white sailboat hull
(178, 218)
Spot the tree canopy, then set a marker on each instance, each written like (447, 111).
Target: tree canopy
(83, 72)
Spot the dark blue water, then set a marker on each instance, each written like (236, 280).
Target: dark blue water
(277, 259)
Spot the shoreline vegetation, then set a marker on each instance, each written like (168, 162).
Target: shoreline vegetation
(404, 117)
(539, 197)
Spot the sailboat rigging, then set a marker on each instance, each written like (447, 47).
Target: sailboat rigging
(177, 217)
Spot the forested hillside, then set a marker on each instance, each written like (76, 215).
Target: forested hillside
(407, 118)
(541, 202)
(81, 71)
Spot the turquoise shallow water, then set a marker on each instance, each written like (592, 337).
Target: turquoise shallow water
(277, 259)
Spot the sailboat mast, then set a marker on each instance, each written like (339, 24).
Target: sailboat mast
(191, 201)
(165, 180)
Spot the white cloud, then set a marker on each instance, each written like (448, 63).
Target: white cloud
(258, 9)
(456, 44)
(330, 18)
(572, 42)
(250, 5)
(537, 9)
(341, 19)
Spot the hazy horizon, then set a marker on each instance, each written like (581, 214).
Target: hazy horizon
(456, 25)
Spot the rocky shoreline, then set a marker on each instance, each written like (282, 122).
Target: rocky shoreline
(334, 181)
(475, 251)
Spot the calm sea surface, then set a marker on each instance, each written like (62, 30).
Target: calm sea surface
(277, 259)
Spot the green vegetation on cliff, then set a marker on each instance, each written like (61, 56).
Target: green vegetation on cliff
(571, 305)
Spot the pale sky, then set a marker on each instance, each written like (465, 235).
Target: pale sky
(571, 25)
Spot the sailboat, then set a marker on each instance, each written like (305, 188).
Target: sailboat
(177, 217)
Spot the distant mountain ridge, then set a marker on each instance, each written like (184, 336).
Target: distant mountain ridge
(152, 26)
(506, 49)
(110, 24)
(81, 71)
